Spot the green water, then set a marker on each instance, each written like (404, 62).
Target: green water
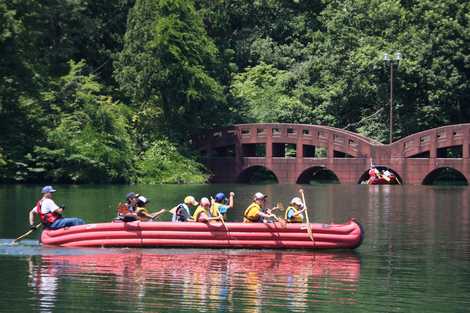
(415, 257)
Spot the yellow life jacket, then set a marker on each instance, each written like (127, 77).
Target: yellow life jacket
(214, 210)
(296, 218)
(141, 213)
(251, 213)
(199, 211)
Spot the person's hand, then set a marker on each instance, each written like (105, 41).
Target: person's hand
(232, 194)
(62, 206)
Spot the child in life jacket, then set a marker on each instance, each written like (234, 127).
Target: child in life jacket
(142, 212)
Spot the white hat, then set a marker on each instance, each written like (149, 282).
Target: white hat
(259, 196)
(143, 199)
(297, 201)
(204, 201)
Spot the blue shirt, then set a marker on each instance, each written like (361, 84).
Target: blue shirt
(290, 214)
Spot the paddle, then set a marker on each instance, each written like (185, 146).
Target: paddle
(279, 206)
(309, 229)
(221, 218)
(26, 234)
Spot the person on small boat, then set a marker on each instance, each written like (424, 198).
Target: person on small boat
(50, 213)
(126, 211)
(142, 212)
(182, 212)
(374, 174)
(294, 212)
(202, 213)
(255, 213)
(220, 205)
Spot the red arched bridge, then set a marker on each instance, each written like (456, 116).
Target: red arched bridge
(298, 153)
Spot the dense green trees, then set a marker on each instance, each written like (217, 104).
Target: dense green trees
(167, 62)
(112, 91)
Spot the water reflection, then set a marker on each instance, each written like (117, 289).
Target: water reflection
(235, 280)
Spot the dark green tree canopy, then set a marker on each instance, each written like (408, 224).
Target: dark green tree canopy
(112, 91)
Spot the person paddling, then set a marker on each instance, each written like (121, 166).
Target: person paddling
(255, 212)
(182, 212)
(126, 211)
(219, 205)
(142, 212)
(202, 213)
(294, 213)
(50, 213)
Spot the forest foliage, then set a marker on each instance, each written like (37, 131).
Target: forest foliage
(113, 91)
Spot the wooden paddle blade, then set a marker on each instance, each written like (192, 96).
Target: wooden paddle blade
(26, 234)
(309, 229)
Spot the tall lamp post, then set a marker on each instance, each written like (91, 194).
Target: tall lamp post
(392, 61)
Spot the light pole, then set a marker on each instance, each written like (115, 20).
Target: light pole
(392, 61)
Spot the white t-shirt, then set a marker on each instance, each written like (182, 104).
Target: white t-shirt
(48, 205)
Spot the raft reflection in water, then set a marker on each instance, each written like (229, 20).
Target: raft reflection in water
(224, 280)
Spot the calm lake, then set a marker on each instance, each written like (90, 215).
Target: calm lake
(415, 257)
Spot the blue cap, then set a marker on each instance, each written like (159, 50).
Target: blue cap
(219, 197)
(131, 195)
(47, 189)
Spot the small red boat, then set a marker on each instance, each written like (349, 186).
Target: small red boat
(213, 235)
(382, 180)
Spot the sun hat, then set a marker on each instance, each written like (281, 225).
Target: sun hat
(259, 196)
(47, 189)
(205, 201)
(143, 199)
(297, 201)
(190, 200)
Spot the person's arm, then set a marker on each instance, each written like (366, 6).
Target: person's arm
(230, 199)
(299, 212)
(142, 212)
(157, 214)
(32, 213)
(266, 215)
(215, 218)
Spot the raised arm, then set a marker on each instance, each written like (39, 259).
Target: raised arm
(230, 199)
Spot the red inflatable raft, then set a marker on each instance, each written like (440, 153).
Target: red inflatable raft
(201, 235)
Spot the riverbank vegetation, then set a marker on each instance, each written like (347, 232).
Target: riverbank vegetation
(112, 91)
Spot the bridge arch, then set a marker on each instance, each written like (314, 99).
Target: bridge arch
(257, 174)
(445, 176)
(319, 174)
